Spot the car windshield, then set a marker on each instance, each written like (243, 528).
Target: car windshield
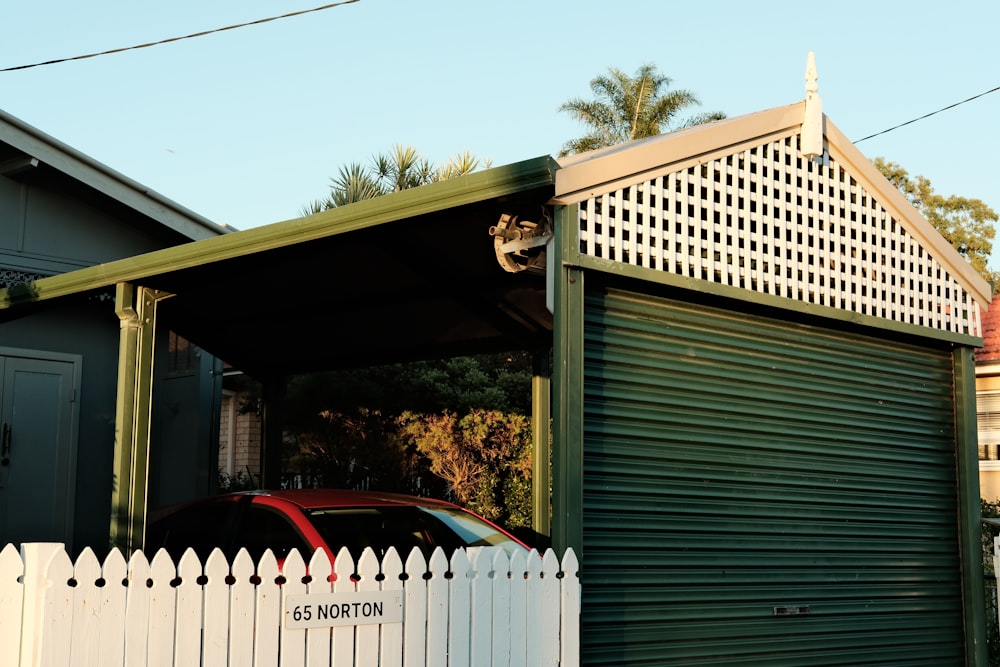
(405, 528)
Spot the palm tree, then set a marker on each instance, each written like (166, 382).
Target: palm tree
(629, 108)
(400, 168)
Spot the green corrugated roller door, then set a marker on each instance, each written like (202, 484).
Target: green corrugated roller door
(758, 492)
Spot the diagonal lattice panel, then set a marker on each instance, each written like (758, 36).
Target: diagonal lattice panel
(767, 220)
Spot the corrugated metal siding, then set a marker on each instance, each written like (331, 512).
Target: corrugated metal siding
(735, 464)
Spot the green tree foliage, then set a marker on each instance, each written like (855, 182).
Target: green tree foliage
(631, 107)
(400, 168)
(351, 449)
(495, 381)
(483, 455)
(968, 224)
(346, 429)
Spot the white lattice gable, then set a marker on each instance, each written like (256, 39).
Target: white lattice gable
(736, 203)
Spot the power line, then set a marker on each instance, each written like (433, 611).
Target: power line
(950, 106)
(348, 2)
(177, 39)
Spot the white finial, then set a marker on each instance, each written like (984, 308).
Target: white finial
(812, 78)
(811, 139)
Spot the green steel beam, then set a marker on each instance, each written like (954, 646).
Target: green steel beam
(567, 377)
(969, 506)
(136, 309)
(541, 433)
(697, 285)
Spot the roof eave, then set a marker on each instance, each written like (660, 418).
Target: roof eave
(580, 176)
(102, 178)
(845, 152)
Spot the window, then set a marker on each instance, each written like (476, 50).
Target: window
(988, 420)
(181, 356)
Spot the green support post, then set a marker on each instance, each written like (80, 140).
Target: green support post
(541, 429)
(567, 382)
(969, 506)
(136, 310)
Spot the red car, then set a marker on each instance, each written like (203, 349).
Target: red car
(307, 519)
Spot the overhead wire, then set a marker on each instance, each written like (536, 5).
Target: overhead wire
(928, 115)
(348, 2)
(177, 39)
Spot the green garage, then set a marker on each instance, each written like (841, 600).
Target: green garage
(765, 444)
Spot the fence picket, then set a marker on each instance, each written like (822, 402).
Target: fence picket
(11, 604)
(570, 625)
(535, 639)
(415, 606)
(162, 611)
(215, 639)
(293, 640)
(487, 610)
(343, 637)
(318, 639)
(391, 634)
(85, 638)
(551, 592)
(267, 619)
(137, 609)
(366, 636)
(241, 612)
(481, 606)
(114, 573)
(437, 609)
(187, 638)
(517, 610)
(58, 611)
(500, 615)
(459, 601)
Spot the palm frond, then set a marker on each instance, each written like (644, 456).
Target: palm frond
(627, 108)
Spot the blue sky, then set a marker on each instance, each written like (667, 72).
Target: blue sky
(247, 126)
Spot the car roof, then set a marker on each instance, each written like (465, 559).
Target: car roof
(321, 498)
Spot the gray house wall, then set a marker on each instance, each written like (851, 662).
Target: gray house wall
(94, 338)
(185, 428)
(61, 211)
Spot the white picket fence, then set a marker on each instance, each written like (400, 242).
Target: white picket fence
(487, 609)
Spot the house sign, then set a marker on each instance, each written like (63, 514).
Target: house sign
(328, 610)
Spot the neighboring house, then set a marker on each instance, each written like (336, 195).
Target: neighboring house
(61, 211)
(239, 433)
(762, 391)
(988, 404)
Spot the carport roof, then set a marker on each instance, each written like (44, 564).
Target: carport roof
(410, 275)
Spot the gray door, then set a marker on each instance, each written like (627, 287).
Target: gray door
(37, 449)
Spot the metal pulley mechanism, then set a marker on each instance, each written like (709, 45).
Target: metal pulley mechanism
(520, 244)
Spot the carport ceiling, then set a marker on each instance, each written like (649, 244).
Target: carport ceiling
(413, 275)
(422, 287)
